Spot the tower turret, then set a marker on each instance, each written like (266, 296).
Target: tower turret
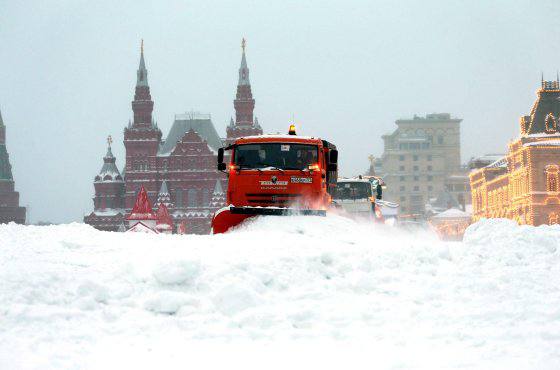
(10, 211)
(2, 130)
(109, 184)
(142, 105)
(142, 139)
(244, 104)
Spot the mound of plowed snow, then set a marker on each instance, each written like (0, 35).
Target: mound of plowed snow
(280, 292)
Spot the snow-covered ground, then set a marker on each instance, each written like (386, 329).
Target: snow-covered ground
(295, 292)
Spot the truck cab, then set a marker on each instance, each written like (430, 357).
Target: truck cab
(277, 175)
(356, 197)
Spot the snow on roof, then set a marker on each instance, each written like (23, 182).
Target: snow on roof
(281, 136)
(109, 212)
(142, 228)
(201, 213)
(202, 126)
(544, 143)
(355, 179)
(109, 171)
(502, 162)
(543, 134)
(452, 213)
(411, 138)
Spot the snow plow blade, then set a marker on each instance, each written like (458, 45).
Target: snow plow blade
(229, 217)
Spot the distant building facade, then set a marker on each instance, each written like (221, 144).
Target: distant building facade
(179, 171)
(10, 211)
(524, 185)
(421, 161)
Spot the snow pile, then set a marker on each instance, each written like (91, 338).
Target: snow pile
(280, 292)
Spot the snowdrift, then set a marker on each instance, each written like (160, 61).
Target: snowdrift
(298, 292)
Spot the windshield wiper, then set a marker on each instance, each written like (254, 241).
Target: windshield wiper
(294, 168)
(271, 166)
(241, 166)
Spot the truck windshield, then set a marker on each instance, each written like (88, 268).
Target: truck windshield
(352, 190)
(279, 155)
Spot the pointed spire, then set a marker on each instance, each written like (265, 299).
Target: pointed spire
(1, 120)
(542, 79)
(164, 221)
(163, 190)
(163, 196)
(231, 123)
(243, 70)
(218, 197)
(142, 207)
(5, 167)
(109, 152)
(142, 74)
(218, 187)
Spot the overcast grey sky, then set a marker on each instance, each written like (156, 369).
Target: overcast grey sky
(345, 69)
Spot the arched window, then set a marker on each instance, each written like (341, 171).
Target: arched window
(192, 198)
(179, 198)
(205, 197)
(551, 172)
(550, 123)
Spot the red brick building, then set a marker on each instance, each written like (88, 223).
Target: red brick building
(179, 171)
(10, 211)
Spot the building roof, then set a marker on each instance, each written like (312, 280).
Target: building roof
(547, 103)
(543, 143)
(163, 189)
(140, 227)
(183, 123)
(109, 170)
(142, 209)
(163, 217)
(432, 117)
(502, 163)
(218, 188)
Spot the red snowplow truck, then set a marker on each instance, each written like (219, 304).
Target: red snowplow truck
(276, 175)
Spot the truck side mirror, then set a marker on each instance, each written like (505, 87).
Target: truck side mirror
(333, 157)
(221, 164)
(379, 191)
